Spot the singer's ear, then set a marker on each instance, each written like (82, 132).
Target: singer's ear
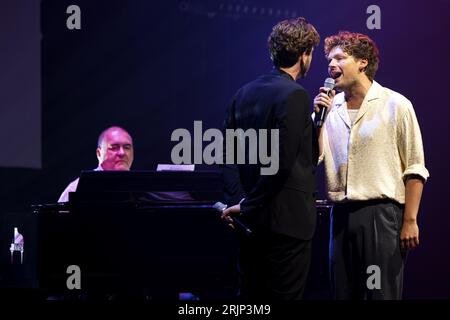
(363, 64)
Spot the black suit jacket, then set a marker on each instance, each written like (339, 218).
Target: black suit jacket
(283, 202)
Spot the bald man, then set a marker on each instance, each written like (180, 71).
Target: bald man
(114, 152)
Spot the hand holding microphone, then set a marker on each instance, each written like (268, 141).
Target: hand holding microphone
(230, 215)
(322, 102)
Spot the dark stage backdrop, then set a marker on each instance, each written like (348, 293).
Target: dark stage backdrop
(154, 66)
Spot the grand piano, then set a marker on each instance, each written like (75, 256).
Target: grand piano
(144, 233)
(149, 235)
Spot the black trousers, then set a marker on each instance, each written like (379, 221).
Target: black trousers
(366, 261)
(273, 267)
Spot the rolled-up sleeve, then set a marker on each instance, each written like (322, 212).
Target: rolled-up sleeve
(411, 145)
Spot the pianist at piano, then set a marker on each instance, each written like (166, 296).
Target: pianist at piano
(114, 152)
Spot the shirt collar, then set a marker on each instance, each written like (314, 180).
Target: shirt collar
(373, 94)
(282, 73)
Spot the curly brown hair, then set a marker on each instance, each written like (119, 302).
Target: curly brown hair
(289, 39)
(358, 45)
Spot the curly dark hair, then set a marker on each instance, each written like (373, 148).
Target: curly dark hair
(358, 45)
(290, 39)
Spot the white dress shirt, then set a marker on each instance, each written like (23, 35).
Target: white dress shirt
(72, 187)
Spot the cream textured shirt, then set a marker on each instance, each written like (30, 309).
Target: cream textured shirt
(371, 159)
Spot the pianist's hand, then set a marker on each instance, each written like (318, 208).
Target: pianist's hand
(228, 214)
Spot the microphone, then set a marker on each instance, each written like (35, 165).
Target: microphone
(219, 206)
(320, 117)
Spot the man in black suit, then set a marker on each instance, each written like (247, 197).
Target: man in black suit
(279, 208)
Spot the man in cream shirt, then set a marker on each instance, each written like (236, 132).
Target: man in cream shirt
(375, 171)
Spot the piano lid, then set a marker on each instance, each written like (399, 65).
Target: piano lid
(149, 186)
